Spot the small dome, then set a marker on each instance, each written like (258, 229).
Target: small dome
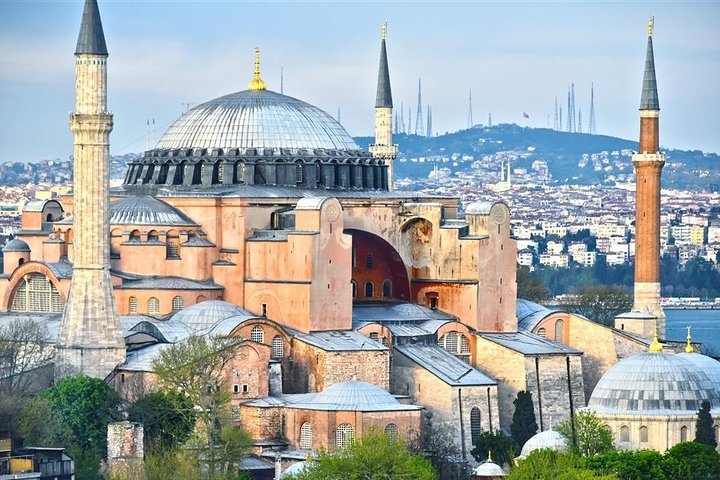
(710, 366)
(16, 245)
(549, 439)
(294, 469)
(146, 210)
(489, 469)
(206, 314)
(355, 396)
(652, 382)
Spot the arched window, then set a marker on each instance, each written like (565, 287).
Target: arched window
(449, 342)
(475, 429)
(369, 260)
(391, 431)
(298, 172)
(257, 334)
(353, 284)
(306, 436)
(624, 434)
(240, 172)
(559, 331)
(277, 347)
(344, 435)
(200, 298)
(177, 303)
(369, 290)
(387, 289)
(153, 236)
(374, 336)
(132, 304)
(683, 434)
(21, 261)
(259, 176)
(541, 332)
(153, 306)
(36, 293)
(643, 434)
(134, 236)
(171, 246)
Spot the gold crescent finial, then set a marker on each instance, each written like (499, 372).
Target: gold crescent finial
(383, 30)
(651, 26)
(489, 456)
(689, 348)
(256, 84)
(655, 346)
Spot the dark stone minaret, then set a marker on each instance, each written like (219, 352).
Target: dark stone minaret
(648, 163)
(383, 147)
(90, 340)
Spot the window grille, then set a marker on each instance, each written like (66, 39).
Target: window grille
(153, 306)
(369, 260)
(177, 303)
(391, 430)
(475, 429)
(387, 288)
(643, 434)
(36, 293)
(541, 332)
(306, 434)
(683, 434)
(464, 345)
(298, 172)
(559, 331)
(344, 435)
(257, 334)
(369, 290)
(132, 305)
(624, 434)
(172, 249)
(277, 347)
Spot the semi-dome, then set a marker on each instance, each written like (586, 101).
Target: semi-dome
(549, 439)
(16, 245)
(206, 314)
(653, 382)
(256, 119)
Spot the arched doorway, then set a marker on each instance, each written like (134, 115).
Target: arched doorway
(376, 262)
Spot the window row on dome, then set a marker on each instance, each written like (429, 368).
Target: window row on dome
(363, 173)
(152, 306)
(369, 289)
(256, 152)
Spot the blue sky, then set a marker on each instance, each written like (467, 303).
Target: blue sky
(516, 57)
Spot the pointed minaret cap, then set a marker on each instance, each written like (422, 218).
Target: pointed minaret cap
(655, 346)
(384, 95)
(91, 40)
(649, 99)
(689, 348)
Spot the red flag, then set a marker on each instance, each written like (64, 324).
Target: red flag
(525, 115)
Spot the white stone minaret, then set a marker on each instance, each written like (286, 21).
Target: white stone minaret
(383, 147)
(90, 340)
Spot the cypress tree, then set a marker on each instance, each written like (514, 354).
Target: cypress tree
(704, 432)
(523, 424)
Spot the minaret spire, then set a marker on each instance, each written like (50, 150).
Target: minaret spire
(383, 147)
(90, 341)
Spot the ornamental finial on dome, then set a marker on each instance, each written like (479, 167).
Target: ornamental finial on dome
(689, 348)
(655, 346)
(257, 84)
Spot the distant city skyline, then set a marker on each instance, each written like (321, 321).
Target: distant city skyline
(516, 58)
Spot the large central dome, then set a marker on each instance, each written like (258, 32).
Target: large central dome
(256, 119)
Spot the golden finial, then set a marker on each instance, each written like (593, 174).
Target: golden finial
(651, 26)
(383, 30)
(489, 456)
(655, 346)
(256, 83)
(689, 348)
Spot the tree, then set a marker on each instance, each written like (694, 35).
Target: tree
(591, 437)
(437, 444)
(168, 418)
(501, 446)
(530, 287)
(704, 432)
(523, 424)
(40, 425)
(196, 367)
(692, 461)
(374, 456)
(628, 465)
(545, 464)
(601, 303)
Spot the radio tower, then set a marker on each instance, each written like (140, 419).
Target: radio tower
(470, 119)
(579, 124)
(591, 125)
(569, 113)
(419, 116)
(556, 125)
(560, 122)
(490, 119)
(402, 119)
(429, 121)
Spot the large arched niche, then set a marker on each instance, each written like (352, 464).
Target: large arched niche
(416, 242)
(375, 260)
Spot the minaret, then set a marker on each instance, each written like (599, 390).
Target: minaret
(648, 163)
(383, 147)
(90, 340)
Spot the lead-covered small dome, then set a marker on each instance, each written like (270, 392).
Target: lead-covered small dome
(206, 314)
(549, 439)
(653, 382)
(16, 245)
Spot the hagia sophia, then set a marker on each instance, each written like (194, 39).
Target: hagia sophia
(257, 216)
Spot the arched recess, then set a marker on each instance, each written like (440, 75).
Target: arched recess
(386, 265)
(18, 277)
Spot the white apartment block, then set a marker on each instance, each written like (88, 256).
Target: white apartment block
(525, 258)
(606, 230)
(713, 233)
(555, 248)
(616, 258)
(586, 259)
(557, 261)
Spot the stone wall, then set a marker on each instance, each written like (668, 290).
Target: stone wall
(125, 450)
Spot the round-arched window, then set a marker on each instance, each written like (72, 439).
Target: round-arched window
(257, 334)
(344, 435)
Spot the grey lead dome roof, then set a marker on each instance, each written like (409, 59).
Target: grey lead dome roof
(256, 119)
(146, 210)
(653, 382)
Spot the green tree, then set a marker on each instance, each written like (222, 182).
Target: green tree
(196, 367)
(704, 432)
(168, 417)
(523, 424)
(592, 436)
(375, 456)
(438, 445)
(601, 303)
(548, 464)
(40, 425)
(692, 461)
(628, 465)
(530, 287)
(501, 446)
